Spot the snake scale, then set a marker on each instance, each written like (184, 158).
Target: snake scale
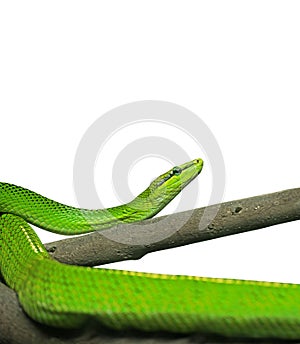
(65, 296)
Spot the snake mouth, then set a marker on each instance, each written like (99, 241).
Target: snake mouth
(190, 170)
(196, 163)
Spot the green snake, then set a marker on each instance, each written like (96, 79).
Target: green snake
(66, 296)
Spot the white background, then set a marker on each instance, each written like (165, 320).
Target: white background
(233, 63)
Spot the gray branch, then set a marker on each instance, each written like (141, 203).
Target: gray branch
(133, 241)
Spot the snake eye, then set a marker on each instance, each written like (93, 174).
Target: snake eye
(176, 170)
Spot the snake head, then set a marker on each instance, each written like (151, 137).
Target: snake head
(176, 179)
(168, 185)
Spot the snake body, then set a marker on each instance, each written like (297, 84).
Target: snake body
(65, 296)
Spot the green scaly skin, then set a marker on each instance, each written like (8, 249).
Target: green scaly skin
(67, 296)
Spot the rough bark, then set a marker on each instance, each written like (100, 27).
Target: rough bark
(134, 241)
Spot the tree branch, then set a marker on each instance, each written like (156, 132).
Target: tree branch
(132, 241)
